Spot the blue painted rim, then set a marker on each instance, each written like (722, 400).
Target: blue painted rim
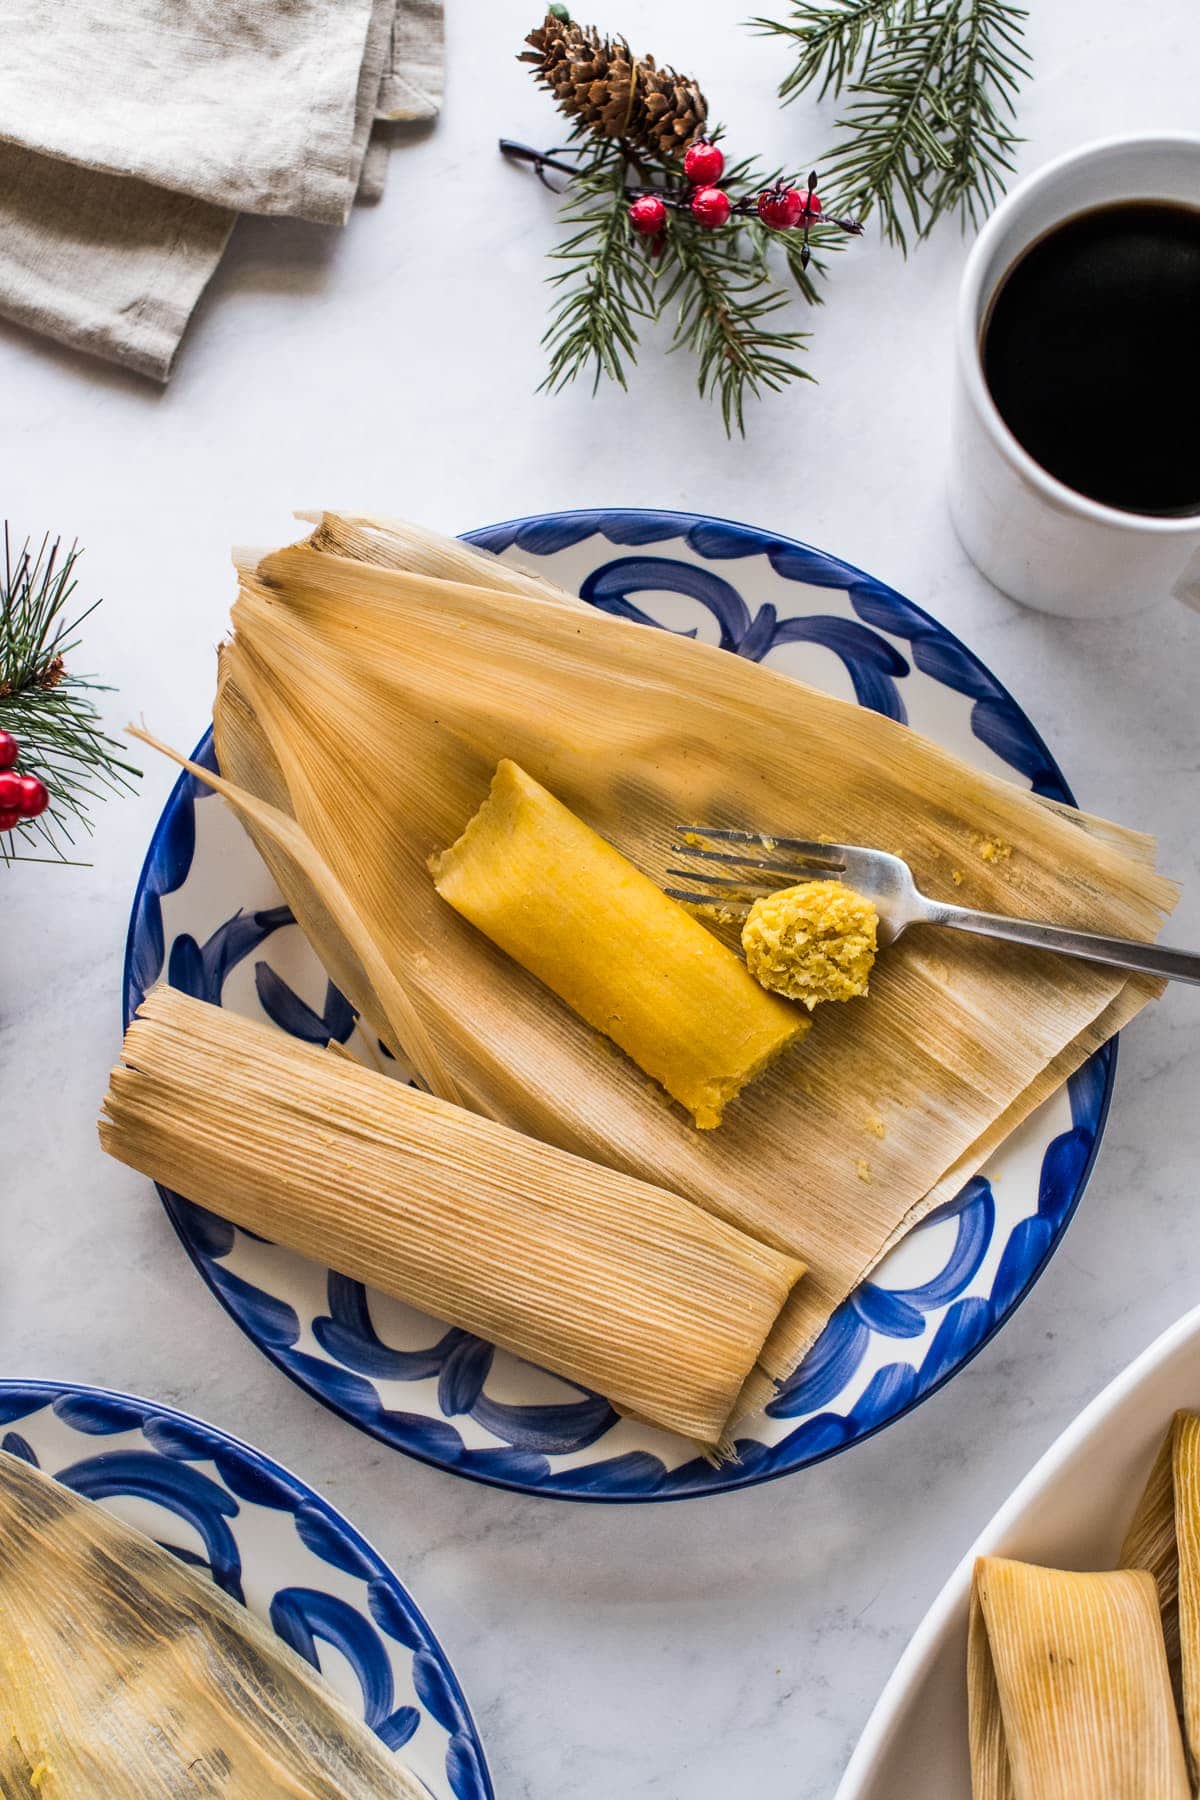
(247, 1458)
(757, 542)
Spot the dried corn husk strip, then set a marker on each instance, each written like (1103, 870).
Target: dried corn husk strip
(125, 1675)
(323, 911)
(396, 544)
(1164, 1538)
(1068, 1687)
(620, 1286)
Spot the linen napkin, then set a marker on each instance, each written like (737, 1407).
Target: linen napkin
(132, 132)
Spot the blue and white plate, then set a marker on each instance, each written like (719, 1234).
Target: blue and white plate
(273, 1545)
(207, 916)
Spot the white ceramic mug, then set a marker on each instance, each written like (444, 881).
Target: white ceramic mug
(1036, 538)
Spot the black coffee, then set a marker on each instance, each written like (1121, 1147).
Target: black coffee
(1091, 350)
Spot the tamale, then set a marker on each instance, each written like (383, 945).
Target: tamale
(573, 911)
(617, 1285)
(424, 682)
(125, 1675)
(1068, 1687)
(1164, 1539)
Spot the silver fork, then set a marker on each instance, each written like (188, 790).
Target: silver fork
(767, 863)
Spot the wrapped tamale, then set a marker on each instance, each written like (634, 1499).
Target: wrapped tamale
(1068, 1687)
(1164, 1538)
(366, 697)
(613, 1283)
(125, 1675)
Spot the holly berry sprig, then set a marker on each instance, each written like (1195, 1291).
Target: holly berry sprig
(51, 721)
(781, 205)
(658, 225)
(22, 797)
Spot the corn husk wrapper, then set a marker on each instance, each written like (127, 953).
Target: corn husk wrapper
(1068, 1687)
(1164, 1538)
(362, 709)
(125, 1675)
(612, 1283)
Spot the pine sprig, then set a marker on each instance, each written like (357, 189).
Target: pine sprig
(723, 306)
(931, 88)
(979, 94)
(604, 283)
(658, 226)
(45, 705)
(830, 40)
(720, 284)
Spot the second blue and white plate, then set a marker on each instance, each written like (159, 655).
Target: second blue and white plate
(207, 917)
(273, 1545)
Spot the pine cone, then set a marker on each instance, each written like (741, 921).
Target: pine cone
(598, 82)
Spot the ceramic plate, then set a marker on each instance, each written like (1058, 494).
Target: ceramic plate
(207, 917)
(1070, 1512)
(274, 1546)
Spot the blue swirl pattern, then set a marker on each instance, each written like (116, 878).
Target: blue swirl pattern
(888, 1346)
(380, 1634)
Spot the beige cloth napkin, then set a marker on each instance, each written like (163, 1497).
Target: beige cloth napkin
(132, 132)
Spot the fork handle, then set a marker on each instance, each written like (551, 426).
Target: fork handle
(1122, 953)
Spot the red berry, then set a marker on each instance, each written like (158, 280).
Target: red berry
(781, 208)
(710, 207)
(35, 796)
(9, 816)
(812, 205)
(8, 750)
(648, 215)
(704, 164)
(10, 790)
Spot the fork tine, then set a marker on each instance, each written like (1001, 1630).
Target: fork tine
(763, 839)
(801, 865)
(727, 903)
(745, 885)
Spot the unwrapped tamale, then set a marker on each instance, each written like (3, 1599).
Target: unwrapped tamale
(577, 914)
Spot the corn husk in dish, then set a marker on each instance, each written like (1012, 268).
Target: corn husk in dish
(1164, 1538)
(125, 1675)
(1068, 1687)
(615, 1284)
(371, 686)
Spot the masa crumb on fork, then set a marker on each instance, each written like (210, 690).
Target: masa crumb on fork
(813, 942)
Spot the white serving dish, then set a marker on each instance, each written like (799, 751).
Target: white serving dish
(1070, 1512)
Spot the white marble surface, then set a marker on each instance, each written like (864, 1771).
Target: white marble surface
(719, 1647)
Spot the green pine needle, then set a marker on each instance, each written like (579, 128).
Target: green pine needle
(830, 40)
(45, 706)
(930, 86)
(605, 280)
(723, 292)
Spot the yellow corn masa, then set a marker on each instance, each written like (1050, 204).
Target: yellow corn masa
(812, 942)
(568, 907)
